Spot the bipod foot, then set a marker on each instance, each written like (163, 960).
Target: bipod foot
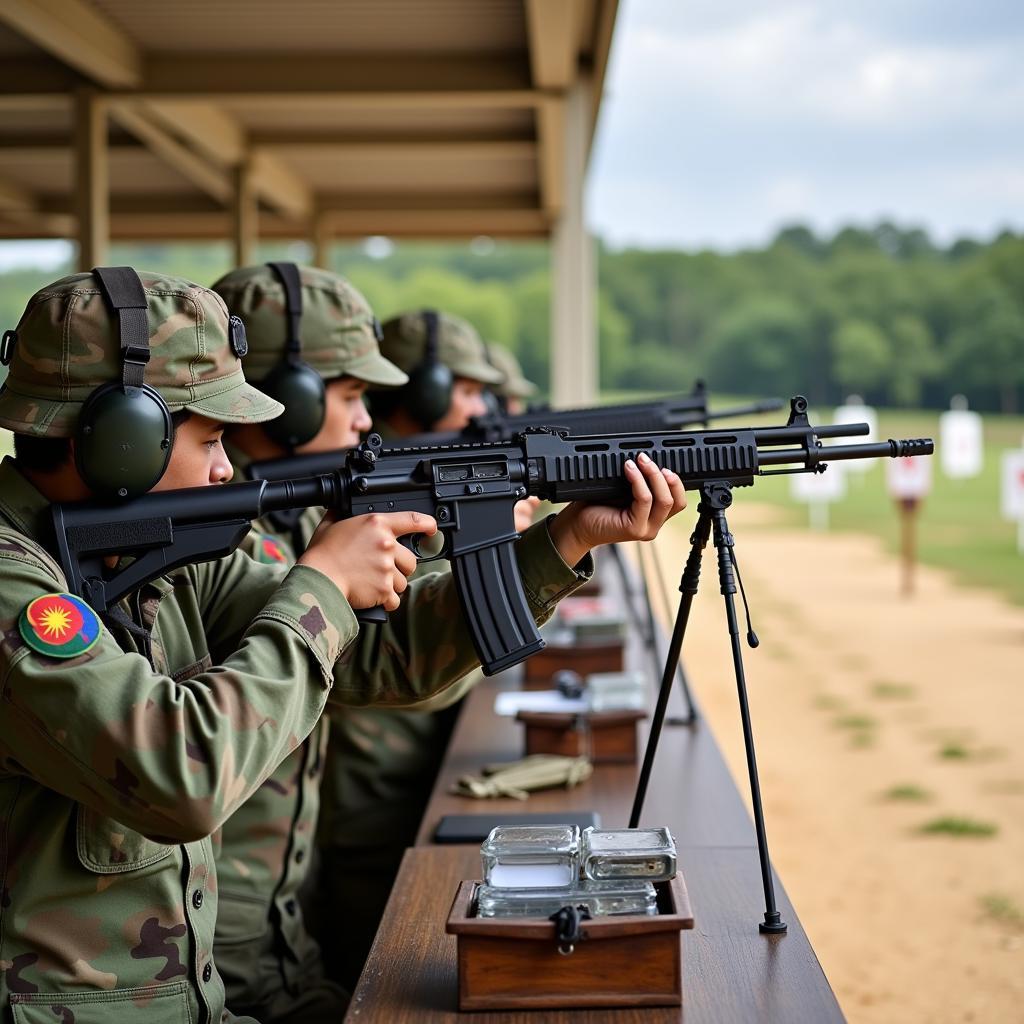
(773, 924)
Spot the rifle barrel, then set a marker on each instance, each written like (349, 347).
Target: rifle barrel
(890, 449)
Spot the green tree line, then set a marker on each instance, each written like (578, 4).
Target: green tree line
(880, 311)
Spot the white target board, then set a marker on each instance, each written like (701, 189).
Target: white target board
(820, 487)
(857, 412)
(960, 444)
(1013, 485)
(908, 477)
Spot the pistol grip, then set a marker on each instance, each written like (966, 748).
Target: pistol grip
(371, 616)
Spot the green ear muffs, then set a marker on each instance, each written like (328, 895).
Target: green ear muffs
(124, 435)
(294, 383)
(429, 391)
(124, 440)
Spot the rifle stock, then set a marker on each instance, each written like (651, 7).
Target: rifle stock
(470, 489)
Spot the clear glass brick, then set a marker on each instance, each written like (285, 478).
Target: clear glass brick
(635, 853)
(600, 898)
(531, 856)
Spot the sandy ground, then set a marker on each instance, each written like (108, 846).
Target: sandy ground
(854, 691)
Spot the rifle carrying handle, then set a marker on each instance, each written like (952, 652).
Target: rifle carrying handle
(494, 603)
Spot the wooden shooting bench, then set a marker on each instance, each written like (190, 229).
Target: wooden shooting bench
(731, 972)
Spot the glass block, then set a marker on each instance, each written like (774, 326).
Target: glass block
(616, 691)
(533, 856)
(637, 853)
(600, 898)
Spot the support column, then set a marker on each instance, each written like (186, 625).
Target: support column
(322, 239)
(245, 214)
(574, 354)
(92, 179)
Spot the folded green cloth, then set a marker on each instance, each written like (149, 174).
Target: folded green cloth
(517, 778)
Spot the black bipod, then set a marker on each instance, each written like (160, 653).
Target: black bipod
(715, 498)
(647, 626)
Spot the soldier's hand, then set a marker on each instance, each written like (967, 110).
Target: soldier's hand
(363, 556)
(657, 496)
(523, 513)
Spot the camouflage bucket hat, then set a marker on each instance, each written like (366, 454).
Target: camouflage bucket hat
(338, 329)
(514, 384)
(68, 344)
(458, 345)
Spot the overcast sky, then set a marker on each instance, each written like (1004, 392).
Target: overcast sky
(725, 118)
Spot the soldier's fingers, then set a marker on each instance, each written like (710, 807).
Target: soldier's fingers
(678, 489)
(640, 510)
(660, 492)
(327, 520)
(405, 560)
(401, 523)
(400, 582)
(391, 602)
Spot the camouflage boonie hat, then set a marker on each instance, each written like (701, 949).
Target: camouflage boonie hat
(337, 328)
(68, 344)
(458, 346)
(514, 384)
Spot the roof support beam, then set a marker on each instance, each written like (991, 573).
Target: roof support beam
(245, 215)
(92, 195)
(79, 36)
(194, 167)
(411, 150)
(553, 27)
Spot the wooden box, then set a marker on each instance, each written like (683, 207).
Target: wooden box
(514, 963)
(582, 658)
(605, 737)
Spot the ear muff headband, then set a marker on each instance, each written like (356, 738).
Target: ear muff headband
(429, 391)
(292, 382)
(124, 433)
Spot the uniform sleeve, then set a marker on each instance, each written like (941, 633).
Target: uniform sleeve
(170, 758)
(426, 646)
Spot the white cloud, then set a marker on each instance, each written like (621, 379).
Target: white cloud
(826, 110)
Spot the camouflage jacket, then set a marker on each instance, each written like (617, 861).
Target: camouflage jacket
(114, 771)
(264, 858)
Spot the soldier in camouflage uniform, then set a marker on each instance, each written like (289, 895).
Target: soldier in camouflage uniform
(514, 388)
(270, 963)
(124, 745)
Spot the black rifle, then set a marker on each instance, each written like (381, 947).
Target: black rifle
(469, 489)
(659, 414)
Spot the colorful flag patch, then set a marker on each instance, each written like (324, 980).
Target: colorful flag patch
(270, 551)
(59, 625)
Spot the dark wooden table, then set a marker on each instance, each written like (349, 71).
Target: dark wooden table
(731, 973)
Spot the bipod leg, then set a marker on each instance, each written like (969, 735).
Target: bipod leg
(642, 626)
(719, 498)
(690, 718)
(688, 590)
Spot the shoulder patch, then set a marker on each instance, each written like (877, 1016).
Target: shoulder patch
(59, 625)
(268, 550)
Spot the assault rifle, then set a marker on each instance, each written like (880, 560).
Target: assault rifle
(660, 414)
(470, 489)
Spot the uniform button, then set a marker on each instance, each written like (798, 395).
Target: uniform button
(300, 856)
(313, 772)
(197, 898)
(290, 907)
(207, 972)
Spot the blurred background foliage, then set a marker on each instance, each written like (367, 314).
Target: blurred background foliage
(880, 311)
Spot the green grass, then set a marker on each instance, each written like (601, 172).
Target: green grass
(827, 702)
(892, 691)
(857, 723)
(907, 792)
(959, 528)
(954, 752)
(1002, 909)
(966, 828)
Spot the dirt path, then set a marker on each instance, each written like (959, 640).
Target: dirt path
(874, 716)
